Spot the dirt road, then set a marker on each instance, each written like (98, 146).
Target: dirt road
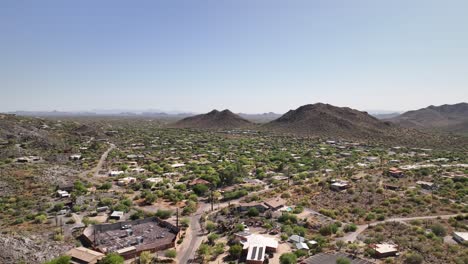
(98, 167)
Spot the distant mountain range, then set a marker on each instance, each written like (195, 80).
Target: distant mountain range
(260, 118)
(328, 121)
(386, 115)
(214, 120)
(447, 118)
(319, 120)
(113, 113)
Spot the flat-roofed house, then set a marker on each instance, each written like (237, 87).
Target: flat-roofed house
(396, 173)
(117, 215)
(63, 194)
(257, 247)
(339, 185)
(126, 181)
(75, 157)
(460, 237)
(116, 173)
(275, 203)
(426, 185)
(82, 255)
(385, 250)
(259, 206)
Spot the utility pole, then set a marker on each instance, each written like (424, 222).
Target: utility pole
(177, 217)
(61, 226)
(212, 198)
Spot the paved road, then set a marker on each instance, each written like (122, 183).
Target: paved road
(351, 237)
(194, 237)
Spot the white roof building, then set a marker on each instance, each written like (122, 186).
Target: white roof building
(297, 239)
(126, 180)
(63, 194)
(154, 180)
(385, 249)
(117, 215)
(302, 245)
(257, 246)
(177, 165)
(75, 157)
(460, 237)
(116, 173)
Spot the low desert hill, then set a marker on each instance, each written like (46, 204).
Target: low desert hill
(213, 120)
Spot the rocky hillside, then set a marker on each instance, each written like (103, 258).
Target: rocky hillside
(214, 120)
(24, 136)
(450, 118)
(324, 120)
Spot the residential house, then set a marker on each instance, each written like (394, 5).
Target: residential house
(115, 173)
(257, 247)
(75, 157)
(117, 215)
(63, 194)
(339, 185)
(385, 250)
(275, 203)
(426, 185)
(261, 207)
(460, 237)
(82, 255)
(126, 181)
(396, 173)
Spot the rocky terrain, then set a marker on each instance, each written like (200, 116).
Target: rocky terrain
(448, 118)
(34, 249)
(324, 120)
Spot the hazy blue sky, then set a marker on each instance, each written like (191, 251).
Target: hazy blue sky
(246, 55)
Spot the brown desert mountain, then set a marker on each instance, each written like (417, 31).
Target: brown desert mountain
(324, 120)
(449, 118)
(214, 120)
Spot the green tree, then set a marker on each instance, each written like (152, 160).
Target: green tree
(288, 258)
(439, 230)
(253, 212)
(40, 219)
(413, 258)
(171, 253)
(212, 238)
(163, 214)
(204, 251)
(112, 258)
(146, 257)
(200, 189)
(79, 187)
(341, 260)
(59, 260)
(210, 226)
(340, 244)
(235, 251)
